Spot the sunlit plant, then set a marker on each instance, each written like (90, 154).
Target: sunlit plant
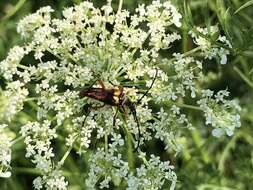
(121, 49)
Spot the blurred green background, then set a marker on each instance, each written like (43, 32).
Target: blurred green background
(206, 162)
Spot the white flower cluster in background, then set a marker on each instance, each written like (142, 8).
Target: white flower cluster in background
(220, 113)
(208, 50)
(5, 153)
(120, 48)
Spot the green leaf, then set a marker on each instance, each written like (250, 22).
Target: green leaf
(249, 3)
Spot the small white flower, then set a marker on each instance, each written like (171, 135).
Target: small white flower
(5, 174)
(218, 132)
(219, 112)
(38, 183)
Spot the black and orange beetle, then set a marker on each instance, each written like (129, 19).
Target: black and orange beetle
(117, 97)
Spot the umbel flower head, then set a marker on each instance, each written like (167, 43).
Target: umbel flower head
(90, 44)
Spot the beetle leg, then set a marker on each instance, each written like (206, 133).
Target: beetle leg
(123, 110)
(88, 113)
(114, 117)
(111, 83)
(100, 82)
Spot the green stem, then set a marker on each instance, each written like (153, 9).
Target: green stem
(192, 51)
(184, 38)
(106, 143)
(36, 98)
(130, 156)
(144, 160)
(197, 139)
(188, 106)
(14, 9)
(225, 154)
(31, 99)
(243, 77)
(22, 67)
(211, 186)
(16, 140)
(120, 6)
(33, 171)
(129, 140)
(65, 155)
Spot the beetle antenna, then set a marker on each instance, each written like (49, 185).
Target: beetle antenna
(139, 131)
(111, 82)
(133, 111)
(156, 73)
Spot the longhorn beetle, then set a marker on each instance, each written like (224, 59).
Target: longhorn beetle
(116, 96)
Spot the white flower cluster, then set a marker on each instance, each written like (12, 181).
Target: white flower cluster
(64, 105)
(12, 99)
(38, 139)
(5, 153)
(185, 73)
(106, 167)
(54, 181)
(169, 122)
(153, 174)
(29, 24)
(220, 113)
(9, 65)
(209, 49)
